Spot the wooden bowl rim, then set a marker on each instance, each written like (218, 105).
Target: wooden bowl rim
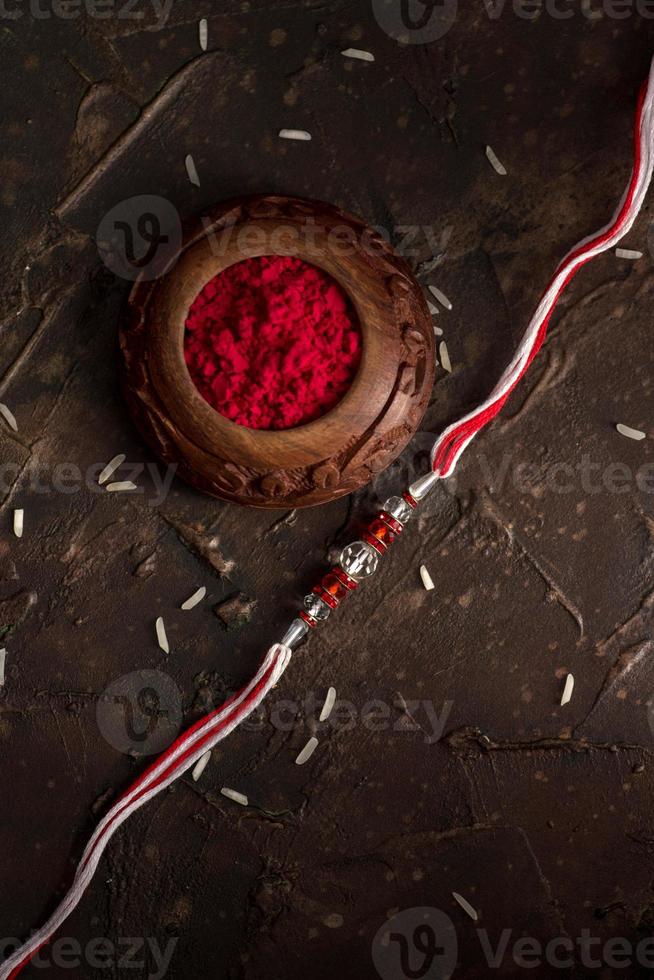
(212, 432)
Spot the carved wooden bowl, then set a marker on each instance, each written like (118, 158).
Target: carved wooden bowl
(323, 459)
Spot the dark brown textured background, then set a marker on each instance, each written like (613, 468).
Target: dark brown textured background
(540, 815)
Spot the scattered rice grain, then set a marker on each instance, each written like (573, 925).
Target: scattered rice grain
(567, 690)
(626, 430)
(427, 580)
(495, 163)
(441, 297)
(120, 486)
(19, 520)
(465, 905)
(203, 33)
(433, 309)
(192, 171)
(359, 54)
(8, 416)
(328, 706)
(307, 751)
(3, 657)
(232, 794)
(200, 766)
(444, 355)
(628, 253)
(193, 600)
(162, 638)
(294, 134)
(111, 467)
(438, 331)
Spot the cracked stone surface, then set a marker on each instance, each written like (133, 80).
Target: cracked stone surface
(448, 764)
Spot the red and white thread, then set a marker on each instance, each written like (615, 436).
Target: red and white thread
(192, 745)
(456, 437)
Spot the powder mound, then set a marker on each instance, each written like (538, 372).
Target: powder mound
(272, 342)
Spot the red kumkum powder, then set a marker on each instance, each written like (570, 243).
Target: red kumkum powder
(272, 342)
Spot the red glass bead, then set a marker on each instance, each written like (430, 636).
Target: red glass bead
(332, 584)
(392, 522)
(331, 600)
(309, 620)
(381, 530)
(409, 499)
(370, 539)
(343, 577)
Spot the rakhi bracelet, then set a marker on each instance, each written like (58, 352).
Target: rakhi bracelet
(360, 559)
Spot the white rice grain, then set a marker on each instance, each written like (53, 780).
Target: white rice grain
(498, 167)
(328, 706)
(444, 355)
(567, 690)
(628, 253)
(307, 751)
(162, 638)
(294, 134)
(111, 467)
(19, 522)
(200, 766)
(465, 905)
(121, 486)
(427, 580)
(433, 309)
(232, 794)
(8, 416)
(441, 297)
(191, 170)
(358, 54)
(193, 600)
(203, 33)
(626, 430)
(3, 657)
(438, 331)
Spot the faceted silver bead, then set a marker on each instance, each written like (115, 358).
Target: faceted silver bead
(398, 508)
(421, 487)
(359, 560)
(316, 607)
(295, 632)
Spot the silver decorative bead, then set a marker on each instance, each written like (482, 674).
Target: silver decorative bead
(424, 485)
(359, 560)
(316, 607)
(398, 508)
(296, 631)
